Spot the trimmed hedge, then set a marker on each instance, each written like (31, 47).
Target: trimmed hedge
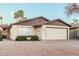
(1, 37)
(4, 36)
(27, 38)
(21, 38)
(35, 38)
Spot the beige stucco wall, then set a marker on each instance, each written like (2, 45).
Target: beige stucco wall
(13, 32)
(34, 31)
(38, 31)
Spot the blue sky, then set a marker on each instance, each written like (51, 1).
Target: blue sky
(31, 10)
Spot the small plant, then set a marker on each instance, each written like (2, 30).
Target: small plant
(1, 37)
(78, 37)
(21, 38)
(4, 36)
(35, 38)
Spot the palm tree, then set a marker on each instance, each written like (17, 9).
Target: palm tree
(75, 20)
(72, 9)
(25, 18)
(19, 14)
(1, 18)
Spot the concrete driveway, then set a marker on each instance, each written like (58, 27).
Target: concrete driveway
(40, 48)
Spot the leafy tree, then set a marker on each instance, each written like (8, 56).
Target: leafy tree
(75, 20)
(1, 18)
(72, 8)
(19, 14)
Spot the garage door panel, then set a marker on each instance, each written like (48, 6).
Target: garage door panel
(56, 33)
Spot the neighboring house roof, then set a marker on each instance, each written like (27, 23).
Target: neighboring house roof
(5, 26)
(41, 21)
(74, 25)
(58, 22)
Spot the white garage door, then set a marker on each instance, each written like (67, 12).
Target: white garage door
(56, 33)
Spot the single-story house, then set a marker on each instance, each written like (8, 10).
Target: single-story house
(74, 31)
(42, 27)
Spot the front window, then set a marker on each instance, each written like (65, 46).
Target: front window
(25, 31)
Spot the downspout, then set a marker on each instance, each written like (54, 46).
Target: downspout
(68, 33)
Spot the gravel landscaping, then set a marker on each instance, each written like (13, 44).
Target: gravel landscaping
(40, 48)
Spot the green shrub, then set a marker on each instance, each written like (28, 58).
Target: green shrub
(21, 38)
(1, 37)
(35, 38)
(27, 38)
(4, 36)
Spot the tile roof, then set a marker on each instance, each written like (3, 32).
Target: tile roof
(38, 21)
